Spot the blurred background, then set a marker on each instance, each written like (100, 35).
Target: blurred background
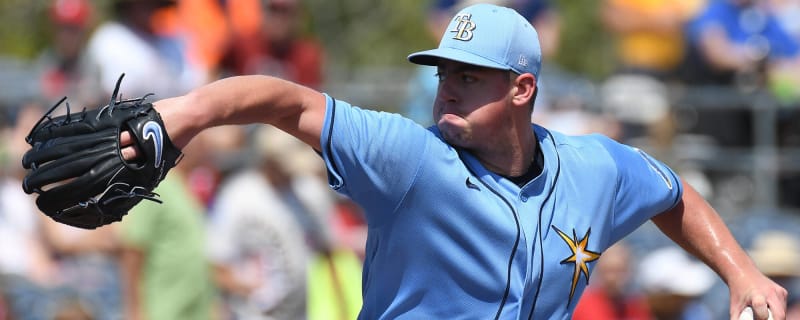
(710, 87)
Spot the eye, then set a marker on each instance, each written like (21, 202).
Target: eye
(439, 75)
(468, 78)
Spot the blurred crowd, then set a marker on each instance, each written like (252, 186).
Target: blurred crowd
(249, 228)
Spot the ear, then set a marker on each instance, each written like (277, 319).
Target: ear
(525, 85)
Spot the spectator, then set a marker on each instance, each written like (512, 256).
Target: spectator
(129, 44)
(777, 255)
(86, 268)
(259, 249)
(742, 45)
(26, 267)
(62, 67)
(609, 295)
(267, 225)
(203, 29)
(278, 48)
(334, 269)
(738, 42)
(166, 274)
(674, 282)
(84, 274)
(649, 48)
(648, 34)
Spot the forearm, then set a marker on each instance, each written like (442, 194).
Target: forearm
(244, 100)
(721, 53)
(697, 227)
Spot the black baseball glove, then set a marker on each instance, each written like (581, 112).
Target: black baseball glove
(76, 166)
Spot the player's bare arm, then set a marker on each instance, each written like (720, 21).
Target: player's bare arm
(293, 108)
(697, 227)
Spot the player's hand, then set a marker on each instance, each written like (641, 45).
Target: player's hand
(128, 149)
(178, 127)
(759, 292)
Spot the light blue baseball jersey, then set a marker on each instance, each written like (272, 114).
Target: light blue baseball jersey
(449, 239)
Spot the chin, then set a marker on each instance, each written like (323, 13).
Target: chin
(457, 139)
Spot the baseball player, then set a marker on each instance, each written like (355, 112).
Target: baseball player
(483, 215)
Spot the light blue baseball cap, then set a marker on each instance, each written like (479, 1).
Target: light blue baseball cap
(489, 36)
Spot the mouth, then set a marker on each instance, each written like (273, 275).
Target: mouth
(449, 117)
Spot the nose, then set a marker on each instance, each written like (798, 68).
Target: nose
(446, 92)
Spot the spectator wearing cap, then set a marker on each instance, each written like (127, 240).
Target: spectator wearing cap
(334, 265)
(777, 255)
(674, 282)
(269, 227)
(129, 43)
(62, 66)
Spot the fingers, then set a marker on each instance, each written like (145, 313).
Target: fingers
(762, 313)
(773, 306)
(127, 148)
(760, 308)
(749, 314)
(758, 296)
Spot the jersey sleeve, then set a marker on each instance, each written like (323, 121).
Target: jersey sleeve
(645, 187)
(372, 157)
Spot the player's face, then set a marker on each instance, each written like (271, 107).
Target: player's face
(472, 103)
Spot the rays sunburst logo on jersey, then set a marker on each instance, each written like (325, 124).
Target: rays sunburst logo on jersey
(580, 258)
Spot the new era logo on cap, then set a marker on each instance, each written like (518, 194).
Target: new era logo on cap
(489, 36)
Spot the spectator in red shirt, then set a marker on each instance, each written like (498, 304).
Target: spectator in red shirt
(608, 296)
(278, 47)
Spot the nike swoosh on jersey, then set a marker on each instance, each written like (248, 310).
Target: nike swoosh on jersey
(152, 130)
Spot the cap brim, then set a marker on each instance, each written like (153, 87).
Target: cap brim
(431, 58)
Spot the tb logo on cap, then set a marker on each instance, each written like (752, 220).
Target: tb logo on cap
(463, 29)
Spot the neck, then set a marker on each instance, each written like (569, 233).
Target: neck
(533, 171)
(514, 158)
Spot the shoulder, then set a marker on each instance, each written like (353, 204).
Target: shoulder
(585, 151)
(386, 123)
(586, 142)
